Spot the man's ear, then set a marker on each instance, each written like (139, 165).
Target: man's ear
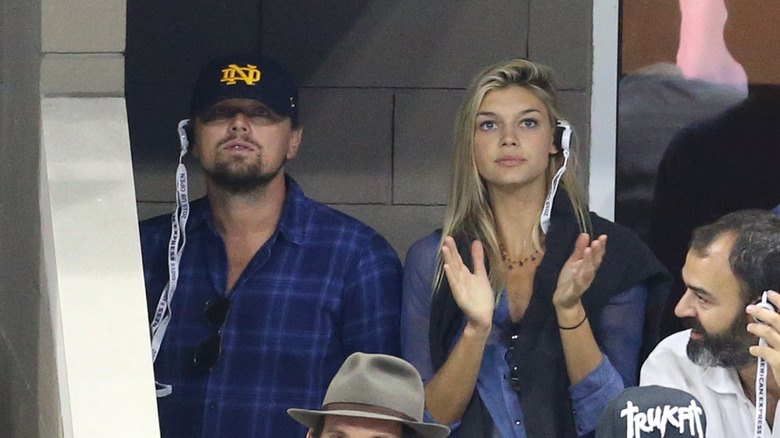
(310, 434)
(295, 142)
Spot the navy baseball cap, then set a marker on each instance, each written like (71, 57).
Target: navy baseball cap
(247, 76)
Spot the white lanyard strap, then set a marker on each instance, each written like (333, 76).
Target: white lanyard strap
(548, 203)
(162, 314)
(761, 374)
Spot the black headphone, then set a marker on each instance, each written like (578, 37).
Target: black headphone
(563, 134)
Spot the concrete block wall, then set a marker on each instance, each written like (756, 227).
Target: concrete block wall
(381, 82)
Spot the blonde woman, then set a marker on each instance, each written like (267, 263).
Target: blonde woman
(520, 323)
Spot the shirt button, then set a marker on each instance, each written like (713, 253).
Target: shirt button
(518, 422)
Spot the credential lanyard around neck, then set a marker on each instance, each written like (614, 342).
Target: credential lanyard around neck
(548, 203)
(162, 314)
(761, 376)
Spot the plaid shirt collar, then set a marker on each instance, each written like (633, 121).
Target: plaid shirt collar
(291, 226)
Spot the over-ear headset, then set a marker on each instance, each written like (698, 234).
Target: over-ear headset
(563, 141)
(563, 134)
(183, 129)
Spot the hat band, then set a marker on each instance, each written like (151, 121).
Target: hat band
(367, 408)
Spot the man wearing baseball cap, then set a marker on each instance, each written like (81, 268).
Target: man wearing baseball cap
(372, 395)
(256, 293)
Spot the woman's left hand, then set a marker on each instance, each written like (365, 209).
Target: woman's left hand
(579, 271)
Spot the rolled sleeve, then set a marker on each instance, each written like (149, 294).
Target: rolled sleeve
(592, 394)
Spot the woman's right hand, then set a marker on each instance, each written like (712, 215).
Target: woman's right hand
(472, 291)
(448, 393)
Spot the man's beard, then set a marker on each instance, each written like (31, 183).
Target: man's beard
(246, 180)
(728, 349)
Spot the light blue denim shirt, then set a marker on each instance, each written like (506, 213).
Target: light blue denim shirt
(619, 335)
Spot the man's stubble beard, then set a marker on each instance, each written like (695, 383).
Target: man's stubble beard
(729, 349)
(245, 180)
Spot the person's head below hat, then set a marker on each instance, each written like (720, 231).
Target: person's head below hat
(652, 411)
(372, 395)
(244, 121)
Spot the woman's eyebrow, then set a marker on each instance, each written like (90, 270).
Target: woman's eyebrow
(491, 113)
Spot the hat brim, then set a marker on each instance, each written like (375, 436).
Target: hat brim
(212, 98)
(310, 418)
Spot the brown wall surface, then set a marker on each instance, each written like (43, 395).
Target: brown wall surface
(650, 33)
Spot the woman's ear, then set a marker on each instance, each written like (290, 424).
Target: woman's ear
(553, 149)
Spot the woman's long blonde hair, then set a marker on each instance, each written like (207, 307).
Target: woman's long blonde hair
(469, 212)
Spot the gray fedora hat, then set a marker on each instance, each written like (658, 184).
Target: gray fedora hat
(375, 386)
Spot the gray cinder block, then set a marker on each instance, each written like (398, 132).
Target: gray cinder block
(423, 145)
(345, 156)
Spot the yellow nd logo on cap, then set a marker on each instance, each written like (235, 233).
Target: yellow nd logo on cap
(249, 74)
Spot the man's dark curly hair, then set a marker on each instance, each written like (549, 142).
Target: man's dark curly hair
(755, 256)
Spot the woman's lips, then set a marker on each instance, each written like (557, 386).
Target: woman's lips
(510, 161)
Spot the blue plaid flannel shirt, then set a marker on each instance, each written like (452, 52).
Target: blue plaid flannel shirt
(322, 287)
